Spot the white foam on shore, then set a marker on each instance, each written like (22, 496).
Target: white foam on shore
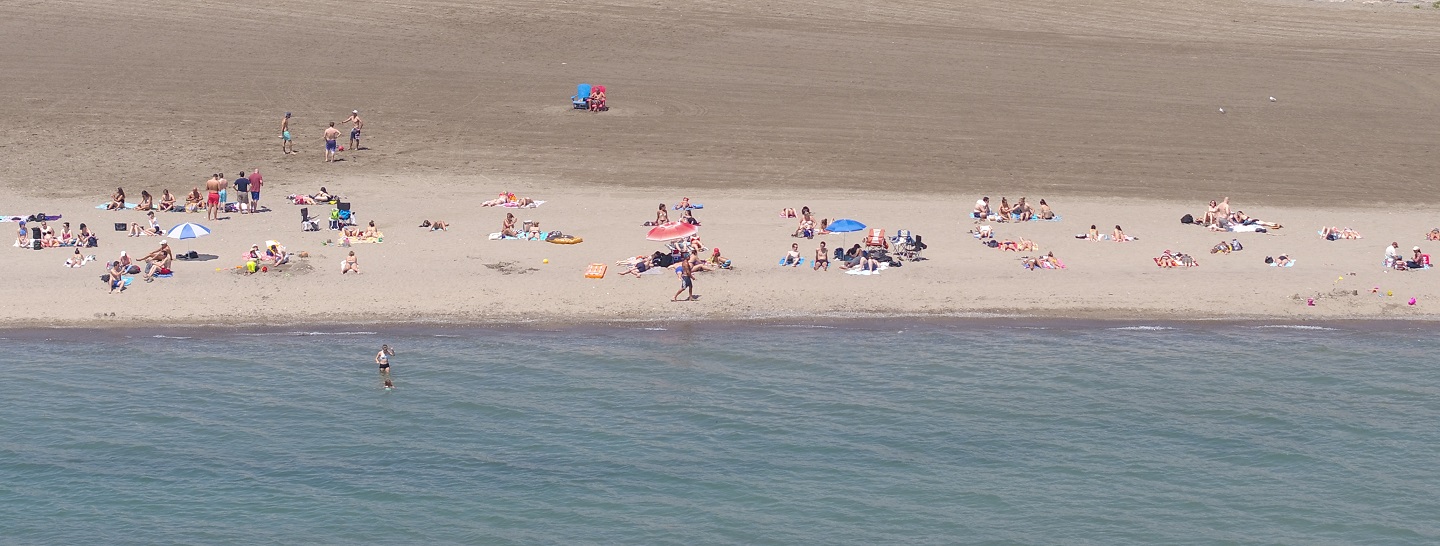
(1295, 327)
(161, 336)
(308, 334)
(1142, 328)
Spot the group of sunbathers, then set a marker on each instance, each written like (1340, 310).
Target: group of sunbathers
(1021, 211)
(1218, 217)
(1118, 235)
(507, 199)
(1048, 261)
(50, 239)
(322, 196)
(689, 250)
(147, 202)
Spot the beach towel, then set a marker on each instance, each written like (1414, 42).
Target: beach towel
(858, 271)
(533, 204)
(102, 206)
(693, 206)
(1033, 218)
(802, 261)
(1290, 263)
(497, 237)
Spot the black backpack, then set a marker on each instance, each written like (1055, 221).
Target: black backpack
(1187, 219)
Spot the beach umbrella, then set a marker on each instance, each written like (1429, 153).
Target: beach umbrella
(670, 231)
(187, 230)
(845, 225)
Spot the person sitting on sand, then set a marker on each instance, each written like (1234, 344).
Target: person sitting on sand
(1023, 209)
(147, 202)
(1005, 209)
(787, 213)
(792, 258)
(868, 262)
(718, 260)
(822, 258)
(193, 202)
(437, 225)
(696, 264)
(66, 238)
(982, 207)
(117, 277)
(1045, 212)
(154, 224)
(117, 200)
(507, 228)
(689, 218)
(662, 216)
(1418, 259)
(76, 260)
(806, 229)
(1119, 235)
(167, 201)
(1212, 213)
(351, 264)
(684, 204)
(86, 237)
(1222, 210)
(1094, 234)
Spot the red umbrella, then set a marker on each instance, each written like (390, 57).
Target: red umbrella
(670, 231)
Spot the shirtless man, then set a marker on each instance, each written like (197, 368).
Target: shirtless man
(285, 144)
(161, 258)
(212, 197)
(331, 134)
(355, 131)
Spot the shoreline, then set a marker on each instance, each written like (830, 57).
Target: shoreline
(977, 321)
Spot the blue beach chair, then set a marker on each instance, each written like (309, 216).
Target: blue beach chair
(582, 94)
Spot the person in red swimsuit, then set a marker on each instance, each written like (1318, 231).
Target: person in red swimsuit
(212, 201)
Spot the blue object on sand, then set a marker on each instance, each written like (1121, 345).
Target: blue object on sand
(582, 92)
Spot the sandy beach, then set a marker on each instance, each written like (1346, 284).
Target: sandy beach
(898, 116)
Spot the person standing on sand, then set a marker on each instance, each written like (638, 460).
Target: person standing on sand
(687, 278)
(355, 131)
(242, 190)
(212, 197)
(255, 183)
(331, 133)
(285, 144)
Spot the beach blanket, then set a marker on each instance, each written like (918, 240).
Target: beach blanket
(1290, 263)
(497, 237)
(693, 206)
(1013, 217)
(858, 271)
(1253, 228)
(782, 262)
(102, 206)
(532, 205)
(48, 218)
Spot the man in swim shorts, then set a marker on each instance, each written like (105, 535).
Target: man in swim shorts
(255, 183)
(355, 131)
(285, 144)
(687, 278)
(212, 198)
(331, 134)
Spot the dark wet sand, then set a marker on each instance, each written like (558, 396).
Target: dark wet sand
(1088, 98)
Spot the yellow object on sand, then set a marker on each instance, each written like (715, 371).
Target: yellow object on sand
(595, 271)
(566, 240)
(545, 261)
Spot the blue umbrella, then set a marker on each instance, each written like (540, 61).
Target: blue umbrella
(187, 230)
(845, 225)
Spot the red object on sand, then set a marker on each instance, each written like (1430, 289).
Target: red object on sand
(671, 230)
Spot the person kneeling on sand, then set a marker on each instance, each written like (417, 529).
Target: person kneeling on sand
(351, 263)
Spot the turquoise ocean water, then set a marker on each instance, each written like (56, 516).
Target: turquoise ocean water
(900, 432)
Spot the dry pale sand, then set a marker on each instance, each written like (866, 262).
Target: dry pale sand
(898, 114)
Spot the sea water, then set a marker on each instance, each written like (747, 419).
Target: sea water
(902, 432)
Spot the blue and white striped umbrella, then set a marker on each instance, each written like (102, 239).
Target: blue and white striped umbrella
(187, 230)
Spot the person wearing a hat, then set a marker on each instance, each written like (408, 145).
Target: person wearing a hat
(355, 131)
(159, 261)
(285, 144)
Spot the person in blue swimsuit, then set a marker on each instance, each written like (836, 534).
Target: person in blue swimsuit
(285, 144)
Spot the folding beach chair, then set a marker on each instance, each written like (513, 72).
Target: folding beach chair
(876, 238)
(581, 100)
(306, 222)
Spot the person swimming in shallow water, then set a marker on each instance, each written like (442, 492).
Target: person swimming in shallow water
(389, 385)
(382, 359)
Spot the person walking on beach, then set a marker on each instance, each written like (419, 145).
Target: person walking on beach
(355, 131)
(331, 134)
(687, 278)
(382, 359)
(212, 197)
(285, 144)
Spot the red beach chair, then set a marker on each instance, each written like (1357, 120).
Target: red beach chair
(876, 238)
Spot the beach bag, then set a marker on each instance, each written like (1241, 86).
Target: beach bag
(1235, 245)
(1187, 219)
(1269, 260)
(992, 243)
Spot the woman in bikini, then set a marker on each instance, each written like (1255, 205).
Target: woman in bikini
(1119, 234)
(822, 257)
(146, 201)
(167, 201)
(117, 200)
(1045, 212)
(507, 229)
(662, 216)
(1005, 209)
(351, 264)
(1094, 234)
(382, 359)
(65, 237)
(85, 236)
